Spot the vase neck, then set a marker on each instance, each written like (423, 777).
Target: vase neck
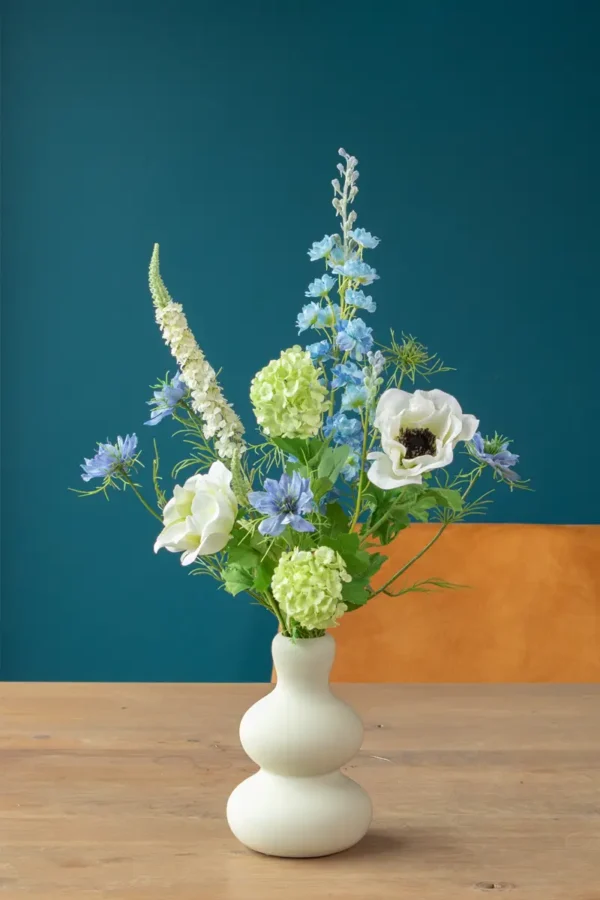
(304, 662)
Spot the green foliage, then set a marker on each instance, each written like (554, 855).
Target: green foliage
(425, 587)
(360, 564)
(391, 511)
(236, 580)
(410, 358)
(332, 461)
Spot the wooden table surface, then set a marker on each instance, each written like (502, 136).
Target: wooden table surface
(118, 791)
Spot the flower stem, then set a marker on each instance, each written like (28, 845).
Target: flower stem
(437, 535)
(144, 502)
(361, 477)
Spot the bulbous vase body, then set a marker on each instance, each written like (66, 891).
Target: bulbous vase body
(299, 804)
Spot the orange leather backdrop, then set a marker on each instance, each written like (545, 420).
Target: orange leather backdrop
(531, 613)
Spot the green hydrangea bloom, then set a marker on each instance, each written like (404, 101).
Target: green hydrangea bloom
(307, 585)
(287, 396)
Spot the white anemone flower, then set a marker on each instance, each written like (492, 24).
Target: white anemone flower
(419, 432)
(198, 519)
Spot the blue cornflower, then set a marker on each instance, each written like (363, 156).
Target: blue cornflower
(354, 337)
(309, 316)
(166, 399)
(320, 286)
(494, 451)
(110, 457)
(285, 502)
(319, 350)
(329, 315)
(320, 249)
(354, 397)
(346, 373)
(358, 270)
(364, 238)
(344, 430)
(359, 299)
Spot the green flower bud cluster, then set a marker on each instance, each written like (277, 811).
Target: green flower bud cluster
(307, 585)
(287, 396)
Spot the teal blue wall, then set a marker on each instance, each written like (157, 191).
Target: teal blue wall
(213, 128)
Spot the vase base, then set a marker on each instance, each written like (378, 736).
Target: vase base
(282, 815)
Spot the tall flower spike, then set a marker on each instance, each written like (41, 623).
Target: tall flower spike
(220, 421)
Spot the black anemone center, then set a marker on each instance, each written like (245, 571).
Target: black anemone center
(418, 441)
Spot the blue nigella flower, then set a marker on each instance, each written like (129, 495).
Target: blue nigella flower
(166, 399)
(346, 373)
(359, 299)
(285, 502)
(320, 249)
(364, 238)
(357, 270)
(320, 286)
(110, 457)
(309, 317)
(354, 397)
(494, 451)
(319, 350)
(344, 430)
(354, 337)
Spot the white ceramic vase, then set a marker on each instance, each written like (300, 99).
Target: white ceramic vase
(299, 803)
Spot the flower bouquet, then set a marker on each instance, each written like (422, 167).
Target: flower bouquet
(346, 458)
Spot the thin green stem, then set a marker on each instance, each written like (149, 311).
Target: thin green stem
(144, 502)
(361, 477)
(437, 535)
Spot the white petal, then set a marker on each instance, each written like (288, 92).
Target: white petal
(383, 476)
(469, 426)
(190, 556)
(212, 543)
(441, 398)
(391, 403)
(205, 509)
(220, 474)
(173, 537)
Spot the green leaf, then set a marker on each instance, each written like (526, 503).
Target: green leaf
(355, 593)
(243, 555)
(447, 498)
(297, 447)
(236, 580)
(263, 576)
(337, 520)
(332, 462)
(320, 487)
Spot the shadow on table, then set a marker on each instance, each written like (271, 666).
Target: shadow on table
(407, 842)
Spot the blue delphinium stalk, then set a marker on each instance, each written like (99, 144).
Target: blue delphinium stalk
(355, 397)
(346, 430)
(336, 257)
(343, 429)
(329, 315)
(320, 249)
(285, 502)
(110, 458)
(360, 300)
(308, 317)
(320, 286)
(166, 398)
(320, 350)
(494, 451)
(364, 238)
(359, 271)
(346, 373)
(354, 337)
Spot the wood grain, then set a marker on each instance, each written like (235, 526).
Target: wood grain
(118, 791)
